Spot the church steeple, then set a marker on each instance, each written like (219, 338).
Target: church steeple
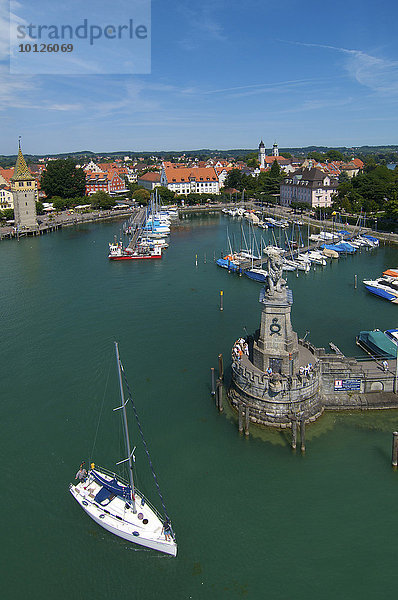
(261, 154)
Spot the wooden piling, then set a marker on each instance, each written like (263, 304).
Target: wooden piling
(355, 281)
(302, 435)
(221, 300)
(247, 420)
(213, 386)
(294, 434)
(395, 449)
(240, 416)
(220, 367)
(219, 395)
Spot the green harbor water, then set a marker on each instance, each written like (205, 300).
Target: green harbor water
(253, 520)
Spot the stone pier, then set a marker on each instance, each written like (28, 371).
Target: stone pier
(281, 380)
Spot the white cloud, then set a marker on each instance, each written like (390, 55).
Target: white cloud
(378, 74)
(201, 24)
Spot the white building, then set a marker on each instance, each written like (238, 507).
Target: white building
(195, 180)
(308, 186)
(6, 198)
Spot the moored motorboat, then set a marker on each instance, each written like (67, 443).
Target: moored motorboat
(384, 287)
(377, 343)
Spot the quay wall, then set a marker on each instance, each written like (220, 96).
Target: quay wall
(307, 397)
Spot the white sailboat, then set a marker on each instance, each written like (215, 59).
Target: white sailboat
(117, 505)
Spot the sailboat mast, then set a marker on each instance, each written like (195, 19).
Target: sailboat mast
(126, 429)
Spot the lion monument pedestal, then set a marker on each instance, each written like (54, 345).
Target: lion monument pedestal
(276, 348)
(278, 382)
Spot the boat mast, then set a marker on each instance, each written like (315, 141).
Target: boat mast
(126, 429)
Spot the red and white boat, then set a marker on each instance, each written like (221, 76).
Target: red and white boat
(117, 252)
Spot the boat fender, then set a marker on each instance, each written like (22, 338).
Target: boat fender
(102, 516)
(85, 503)
(136, 533)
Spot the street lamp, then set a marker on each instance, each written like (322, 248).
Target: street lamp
(333, 216)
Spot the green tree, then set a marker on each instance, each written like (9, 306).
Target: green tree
(141, 196)
(334, 155)
(343, 177)
(275, 170)
(8, 214)
(252, 163)
(60, 203)
(39, 208)
(101, 200)
(166, 195)
(317, 156)
(61, 178)
(234, 179)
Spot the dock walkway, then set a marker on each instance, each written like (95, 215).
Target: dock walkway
(137, 224)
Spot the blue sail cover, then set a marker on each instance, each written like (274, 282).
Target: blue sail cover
(227, 264)
(380, 292)
(256, 276)
(113, 486)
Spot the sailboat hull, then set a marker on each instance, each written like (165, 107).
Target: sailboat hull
(143, 527)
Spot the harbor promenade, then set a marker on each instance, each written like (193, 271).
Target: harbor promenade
(49, 223)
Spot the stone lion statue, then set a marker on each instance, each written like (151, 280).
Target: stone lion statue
(275, 281)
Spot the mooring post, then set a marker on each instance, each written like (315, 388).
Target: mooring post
(221, 300)
(220, 367)
(247, 420)
(395, 449)
(219, 395)
(294, 434)
(240, 415)
(355, 281)
(213, 386)
(302, 435)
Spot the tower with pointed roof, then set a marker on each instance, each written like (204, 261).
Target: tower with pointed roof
(24, 191)
(261, 155)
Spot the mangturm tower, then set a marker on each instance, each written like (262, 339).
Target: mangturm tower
(24, 191)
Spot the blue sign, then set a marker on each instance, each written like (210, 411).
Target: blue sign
(347, 385)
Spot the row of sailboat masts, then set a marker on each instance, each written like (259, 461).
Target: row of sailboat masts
(126, 430)
(257, 248)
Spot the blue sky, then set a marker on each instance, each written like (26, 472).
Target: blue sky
(224, 74)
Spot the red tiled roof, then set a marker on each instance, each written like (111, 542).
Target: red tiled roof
(151, 176)
(183, 175)
(7, 173)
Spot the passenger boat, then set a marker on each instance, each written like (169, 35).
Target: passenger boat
(116, 504)
(117, 252)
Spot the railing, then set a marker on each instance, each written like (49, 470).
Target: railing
(126, 483)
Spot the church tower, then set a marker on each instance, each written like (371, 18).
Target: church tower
(275, 151)
(24, 191)
(261, 155)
